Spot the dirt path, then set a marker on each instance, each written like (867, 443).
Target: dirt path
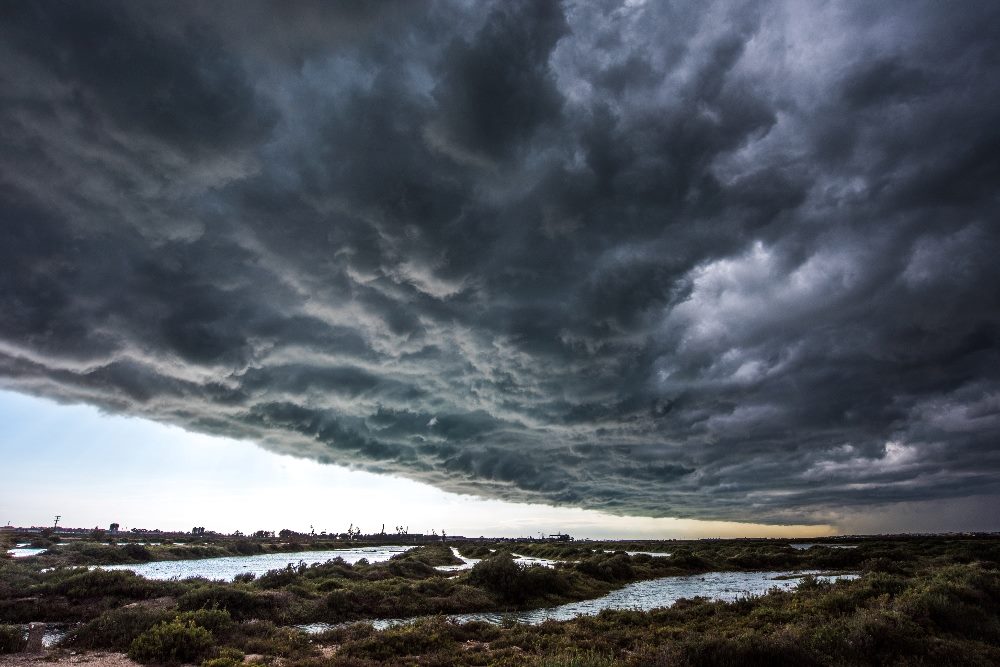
(66, 658)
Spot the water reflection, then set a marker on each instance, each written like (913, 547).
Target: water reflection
(809, 545)
(24, 552)
(228, 567)
(469, 563)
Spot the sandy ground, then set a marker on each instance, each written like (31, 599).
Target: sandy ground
(62, 657)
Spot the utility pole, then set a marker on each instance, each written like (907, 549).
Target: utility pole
(55, 524)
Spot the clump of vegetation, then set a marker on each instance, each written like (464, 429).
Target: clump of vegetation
(12, 639)
(516, 583)
(608, 567)
(240, 602)
(432, 635)
(105, 583)
(116, 629)
(266, 638)
(475, 550)
(213, 620)
(172, 642)
(227, 657)
(432, 555)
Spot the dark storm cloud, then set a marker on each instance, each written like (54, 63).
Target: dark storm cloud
(726, 261)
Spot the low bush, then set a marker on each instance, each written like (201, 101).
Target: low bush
(430, 635)
(743, 651)
(608, 567)
(239, 602)
(514, 582)
(474, 551)
(227, 657)
(171, 642)
(108, 583)
(116, 629)
(138, 552)
(213, 620)
(281, 577)
(12, 639)
(431, 554)
(266, 638)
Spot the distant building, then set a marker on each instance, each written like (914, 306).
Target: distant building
(561, 537)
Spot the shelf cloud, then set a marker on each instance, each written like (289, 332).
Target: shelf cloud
(712, 260)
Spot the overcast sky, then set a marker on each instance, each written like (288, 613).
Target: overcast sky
(704, 261)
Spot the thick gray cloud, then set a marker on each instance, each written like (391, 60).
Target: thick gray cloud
(715, 260)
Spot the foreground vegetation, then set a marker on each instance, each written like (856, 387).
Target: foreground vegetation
(920, 601)
(945, 615)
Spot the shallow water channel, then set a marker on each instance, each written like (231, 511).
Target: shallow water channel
(802, 546)
(227, 567)
(469, 563)
(640, 596)
(24, 552)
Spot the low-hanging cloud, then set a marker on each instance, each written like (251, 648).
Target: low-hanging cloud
(719, 261)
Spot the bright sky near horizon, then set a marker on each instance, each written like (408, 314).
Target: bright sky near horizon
(93, 468)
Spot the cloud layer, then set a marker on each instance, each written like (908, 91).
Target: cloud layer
(719, 261)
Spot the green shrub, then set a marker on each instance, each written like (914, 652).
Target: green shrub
(116, 629)
(137, 552)
(12, 639)
(213, 620)
(266, 638)
(239, 602)
(744, 651)
(963, 600)
(430, 554)
(578, 659)
(246, 548)
(872, 637)
(810, 582)
(15, 578)
(423, 636)
(172, 641)
(87, 553)
(881, 564)
(499, 574)
(514, 582)
(475, 551)
(610, 567)
(222, 662)
(107, 583)
(227, 657)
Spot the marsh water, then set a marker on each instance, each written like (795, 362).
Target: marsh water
(23, 551)
(469, 563)
(639, 596)
(802, 546)
(227, 567)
